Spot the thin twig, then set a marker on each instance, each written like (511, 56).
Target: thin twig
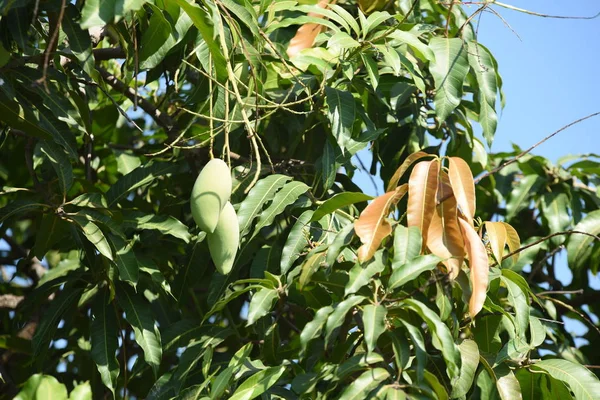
(513, 8)
(50, 45)
(516, 158)
(512, 253)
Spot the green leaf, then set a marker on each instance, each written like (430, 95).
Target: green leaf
(337, 317)
(342, 238)
(296, 241)
(139, 316)
(579, 246)
(61, 164)
(555, 207)
(18, 207)
(258, 383)
(363, 385)
(156, 35)
(104, 337)
(93, 234)
(583, 383)
(102, 12)
(246, 15)
(411, 270)
(203, 22)
(441, 335)
(449, 71)
(42, 387)
(137, 178)
(79, 40)
(516, 202)
(360, 276)
(19, 115)
(338, 201)
(49, 233)
(374, 324)
(520, 303)
(44, 333)
(125, 260)
(192, 270)
(261, 304)
(313, 329)
(506, 383)
(416, 336)
(286, 196)
(483, 66)
(408, 243)
(83, 391)
(165, 224)
(341, 112)
(259, 195)
(469, 354)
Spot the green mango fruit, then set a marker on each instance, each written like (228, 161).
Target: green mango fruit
(210, 193)
(224, 241)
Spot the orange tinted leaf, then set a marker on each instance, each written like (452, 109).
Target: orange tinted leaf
(478, 262)
(513, 240)
(306, 34)
(496, 232)
(463, 186)
(444, 237)
(422, 187)
(404, 166)
(372, 225)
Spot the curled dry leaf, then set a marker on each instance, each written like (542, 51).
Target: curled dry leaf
(372, 226)
(422, 187)
(404, 166)
(478, 262)
(496, 232)
(444, 237)
(307, 33)
(463, 186)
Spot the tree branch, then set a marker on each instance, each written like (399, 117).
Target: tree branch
(10, 301)
(516, 158)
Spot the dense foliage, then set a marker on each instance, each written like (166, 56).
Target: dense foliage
(109, 110)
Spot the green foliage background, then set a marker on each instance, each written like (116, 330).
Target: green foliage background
(110, 108)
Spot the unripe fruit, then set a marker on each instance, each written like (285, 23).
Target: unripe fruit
(210, 193)
(224, 242)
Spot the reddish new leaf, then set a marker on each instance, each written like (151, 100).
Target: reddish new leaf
(461, 179)
(444, 237)
(422, 187)
(478, 262)
(404, 166)
(306, 34)
(372, 225)
(496, 232)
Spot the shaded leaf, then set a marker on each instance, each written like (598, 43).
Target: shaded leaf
(364, 384)
(469, 354)
(104, 338)
(374, 324)
(261, 304)
(579, 246)
(338, 201)
(407, 245)
(296, 241)
(337, 317)
(360, 276)
(341, 113)
(60, 163)
(139, 315)
(286, 196)
(313, 329)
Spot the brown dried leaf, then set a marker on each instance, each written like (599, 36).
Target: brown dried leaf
(306, 34)
(513, 240)
(372, 225)
(404, 166)
(422, 187)
(478, 262)
(444, 237)
(496, 232)
(463, 186)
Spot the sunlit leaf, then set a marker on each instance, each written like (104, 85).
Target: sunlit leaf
(463, 188)
(306, 34)
(372, 225)
(478, 263)
(422, 187)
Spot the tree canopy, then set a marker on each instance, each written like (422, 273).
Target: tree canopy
(443, 287)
